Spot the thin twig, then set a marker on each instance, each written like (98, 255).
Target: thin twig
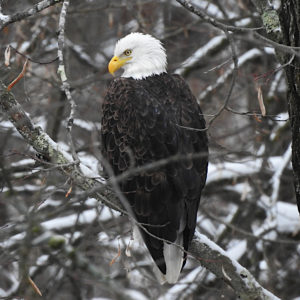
(233, 79)
(62, 73)
(33, 60)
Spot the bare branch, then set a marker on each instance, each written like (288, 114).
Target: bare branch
(6, 20)
(219, 263)
(62, 73)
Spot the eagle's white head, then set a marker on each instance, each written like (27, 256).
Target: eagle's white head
(140, 55)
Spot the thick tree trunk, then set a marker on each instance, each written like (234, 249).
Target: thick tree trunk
(289, 16)
(283, 27)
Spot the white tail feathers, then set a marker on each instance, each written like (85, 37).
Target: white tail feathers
(174, 258)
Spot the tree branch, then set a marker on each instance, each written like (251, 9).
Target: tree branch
(8, 19)
(215, 259)
(63, 76)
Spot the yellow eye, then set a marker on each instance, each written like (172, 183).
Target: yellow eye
(127, 52)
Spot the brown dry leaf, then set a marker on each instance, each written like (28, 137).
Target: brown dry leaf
(34, 286)
(5, 30)
(16, 80)
(261, 101)
(110, 20)
(116, 257)
(68, 192)
(257, 118)
(7, 56)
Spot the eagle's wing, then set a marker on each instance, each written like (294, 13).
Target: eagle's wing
(145, 121)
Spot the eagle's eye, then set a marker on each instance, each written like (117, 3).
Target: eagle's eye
(127, 52)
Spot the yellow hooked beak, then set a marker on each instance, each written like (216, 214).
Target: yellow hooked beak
(116, 63)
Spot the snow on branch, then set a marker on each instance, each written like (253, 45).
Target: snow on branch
(8, 19)
(223, 266)
(206, 252)
(201, 53)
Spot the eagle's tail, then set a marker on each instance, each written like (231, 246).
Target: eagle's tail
(174, 258)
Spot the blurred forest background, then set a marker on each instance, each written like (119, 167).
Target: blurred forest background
(76, 248)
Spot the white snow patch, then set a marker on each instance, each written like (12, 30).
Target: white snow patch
(88, 125)
(13, 240)
(42, 259)
(23, 162)
(243, 22)
(91, 201)
(232, 170)
(40, 121)
(238, 250)
(207, 224)
(276, 4)
(288, 219)
(4, 18)
(184, 285)
(14, 285)
(232, 211)
(103, 237)
(269, 50)
(89, 161)
(24, 46)
(246, 166)
(6, 124)
(133, 294)
(241, 188)
(23, 188)
(51, 46)
(200, 53)
(263, 265)
(131, 26)
(86, 217)
(69, 221)
(50, 203)
(209, 8)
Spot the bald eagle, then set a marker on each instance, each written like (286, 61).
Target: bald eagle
(149, 115)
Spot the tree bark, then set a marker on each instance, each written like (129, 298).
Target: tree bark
(289, 16)
(283, 27)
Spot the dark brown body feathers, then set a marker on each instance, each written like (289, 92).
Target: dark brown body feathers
(143, 122)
